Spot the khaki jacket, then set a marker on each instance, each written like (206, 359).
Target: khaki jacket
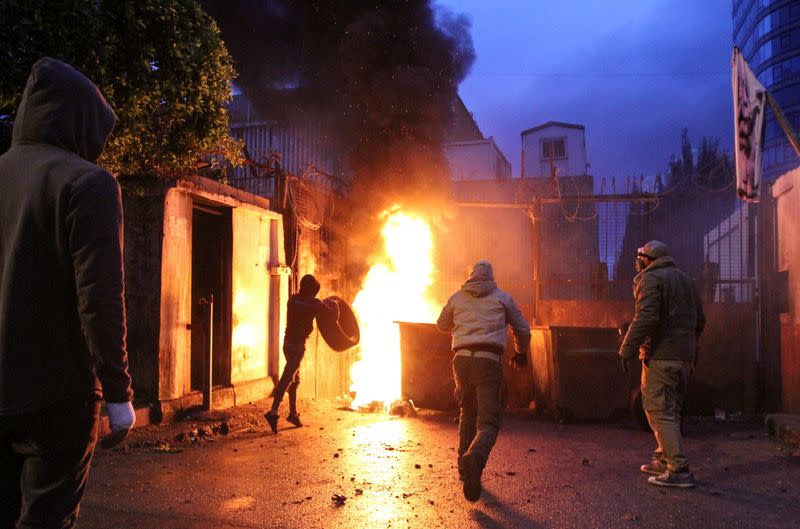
(668, 312)
(478, 315)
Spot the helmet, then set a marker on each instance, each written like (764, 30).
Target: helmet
(653, 250)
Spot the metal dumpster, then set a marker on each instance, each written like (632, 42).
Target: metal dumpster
(426, 369)
(576, 372)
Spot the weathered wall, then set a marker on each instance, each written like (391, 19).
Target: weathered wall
(787, 194)
(250, 310)
(143, 205)
(176, 296)
(790, 375)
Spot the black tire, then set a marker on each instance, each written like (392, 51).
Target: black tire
(341, 334)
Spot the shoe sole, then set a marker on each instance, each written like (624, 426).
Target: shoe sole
(272, 425)
(673, 485)
(472, 478)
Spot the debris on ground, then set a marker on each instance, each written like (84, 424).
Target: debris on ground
(628, 517)
(167, 449)
(359, 492)
(585, 462)
(531, 449)
(403, 408)
(338, 499)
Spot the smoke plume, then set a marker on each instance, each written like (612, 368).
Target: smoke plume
(383, 75)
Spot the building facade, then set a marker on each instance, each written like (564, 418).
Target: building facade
(554, 146)
(476, 160)
(768, 33)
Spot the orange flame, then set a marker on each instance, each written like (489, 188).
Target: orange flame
(396, 288)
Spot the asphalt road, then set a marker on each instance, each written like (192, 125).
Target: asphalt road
(400, 472)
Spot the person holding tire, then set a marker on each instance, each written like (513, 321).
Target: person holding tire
(669, 314)
(301, 310)
(478, 316)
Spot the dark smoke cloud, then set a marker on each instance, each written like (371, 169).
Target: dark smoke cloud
(383, 75)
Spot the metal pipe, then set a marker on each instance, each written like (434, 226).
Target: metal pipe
(210, 303)
(210, 350)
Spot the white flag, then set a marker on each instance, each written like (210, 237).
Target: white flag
(749, 105)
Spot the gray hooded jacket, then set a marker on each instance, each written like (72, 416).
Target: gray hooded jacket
(479, 313)
(62, 315)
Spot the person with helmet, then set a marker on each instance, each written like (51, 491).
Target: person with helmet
(301, 309)
(667, 313)
(477, 316)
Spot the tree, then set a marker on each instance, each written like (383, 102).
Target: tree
(161, 64)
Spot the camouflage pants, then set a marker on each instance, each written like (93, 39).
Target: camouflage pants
(480, 395)
(664, 385)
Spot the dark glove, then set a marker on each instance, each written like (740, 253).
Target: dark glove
(519, 360)
(625, 363)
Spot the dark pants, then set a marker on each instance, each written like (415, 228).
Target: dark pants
(480, 395)
(44, 463)
(290, 378)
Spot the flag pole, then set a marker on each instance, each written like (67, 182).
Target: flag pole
(783, 122)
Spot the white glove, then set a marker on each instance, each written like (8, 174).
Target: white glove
(120, 419)
(120, 416)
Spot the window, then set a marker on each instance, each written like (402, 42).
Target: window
(553, 149)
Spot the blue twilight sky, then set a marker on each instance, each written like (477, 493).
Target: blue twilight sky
(634, 72)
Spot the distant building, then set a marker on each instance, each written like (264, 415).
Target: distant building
(470, 155)
(768, 33)
(554, 145)
(478, 159)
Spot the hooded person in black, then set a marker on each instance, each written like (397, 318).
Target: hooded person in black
(301, 309)
(62, 314)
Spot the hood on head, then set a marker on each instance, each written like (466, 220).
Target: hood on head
(309, 286)
(62, 107)
(481, 271)
(481, 279)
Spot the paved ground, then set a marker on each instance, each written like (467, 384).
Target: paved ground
(399, 473)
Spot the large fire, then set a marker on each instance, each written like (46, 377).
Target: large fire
(396, 288)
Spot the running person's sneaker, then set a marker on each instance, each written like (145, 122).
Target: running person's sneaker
(682, 480)
(272, 420)
(294, 418)
(655, 467)
(472, 477)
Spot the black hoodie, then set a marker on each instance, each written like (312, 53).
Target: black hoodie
(62, 314)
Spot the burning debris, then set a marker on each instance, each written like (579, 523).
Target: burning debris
(403, 408)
